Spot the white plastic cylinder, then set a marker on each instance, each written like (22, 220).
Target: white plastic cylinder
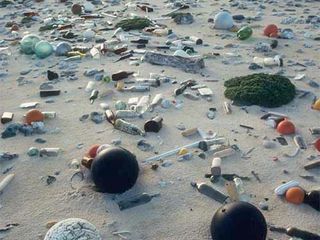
(216, 166)
(143, 104)
(90, 86)
(224, 153)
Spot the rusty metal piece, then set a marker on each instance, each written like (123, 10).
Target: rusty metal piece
(87, 162)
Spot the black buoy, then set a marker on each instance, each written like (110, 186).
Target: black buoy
(238, 221)
(313, 199)
(115, 170)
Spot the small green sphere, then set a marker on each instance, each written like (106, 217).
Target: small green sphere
(28, 43)
(43, 49)
(244, 33)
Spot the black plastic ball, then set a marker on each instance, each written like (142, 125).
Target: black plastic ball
(313, 199)
(114, 170)
(238, 221)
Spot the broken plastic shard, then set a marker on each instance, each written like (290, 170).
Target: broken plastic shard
(136, 201)
(143, 145)
(299, 141)
(205, 91)
(6, 156)
(97, 117)
(29, 105)
(49, 152)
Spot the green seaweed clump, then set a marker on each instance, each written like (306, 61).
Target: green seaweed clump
(136, 23)
(5, 3)
(260, 89)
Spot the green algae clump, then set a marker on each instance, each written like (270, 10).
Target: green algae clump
(260, 89)
(136, 23)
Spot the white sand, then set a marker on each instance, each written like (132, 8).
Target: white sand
(180, 212)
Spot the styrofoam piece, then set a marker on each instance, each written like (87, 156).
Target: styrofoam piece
(281, 190)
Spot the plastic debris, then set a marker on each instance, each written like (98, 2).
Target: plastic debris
(210, 192)
(186, 64)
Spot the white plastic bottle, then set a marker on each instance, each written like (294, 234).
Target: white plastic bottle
(143, 104)
(240, 189)
(216, 167)
(90, 86)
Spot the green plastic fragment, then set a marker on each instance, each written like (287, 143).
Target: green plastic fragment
(136, 23)
(26, 20)
(48, 27)
(107, 79)
(244, 33)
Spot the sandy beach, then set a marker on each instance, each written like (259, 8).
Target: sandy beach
(180, 212)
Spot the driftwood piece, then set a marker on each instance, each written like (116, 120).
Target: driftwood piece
(192, 65)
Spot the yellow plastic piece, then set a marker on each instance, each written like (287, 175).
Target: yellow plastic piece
(182, 151)
(316, 105)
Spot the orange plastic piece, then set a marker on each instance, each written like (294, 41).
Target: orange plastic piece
(317, 144)
(295, 195)
(34, 115)
(286, 127)
(271, 30)
(316, 105)
(93, 150)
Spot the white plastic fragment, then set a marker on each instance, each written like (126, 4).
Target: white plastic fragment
(216, 167)
(295, 153)
(224, 153)
(278, 114)
(281, 190)
(205, 135)
(232, 190)
(143, 104)
(49, 115)
(90, 86)
(271, 123)
(29, 105)
(133, 101)
(205, 91)
(95, 53)
(74, 164)
(181, 53)
(299, 77)
(268, 144)
(49, 152)
(4, 183)
(189, 132)
(243, 196)
(155, 101)
(227, 108)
